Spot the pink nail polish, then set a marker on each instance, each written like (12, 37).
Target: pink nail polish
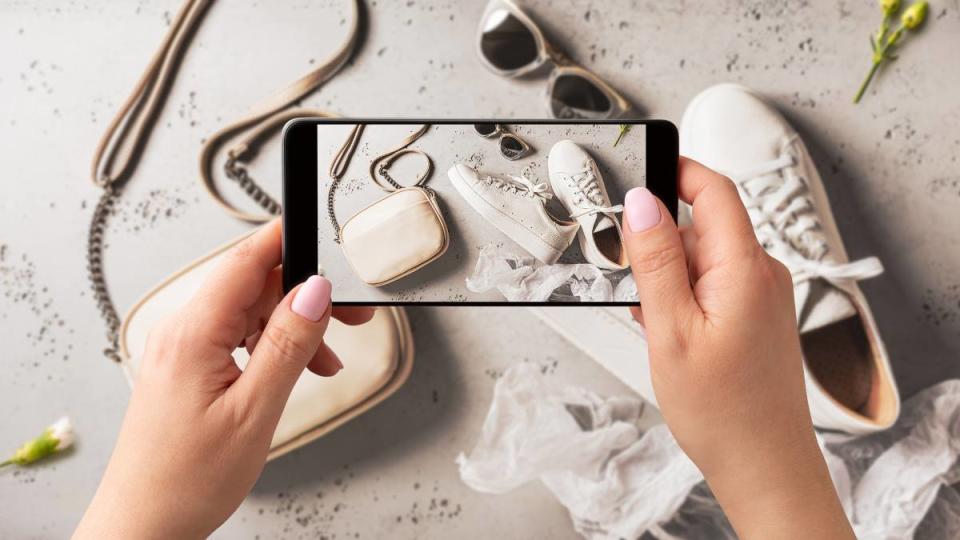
(313, 298)
(641, 209)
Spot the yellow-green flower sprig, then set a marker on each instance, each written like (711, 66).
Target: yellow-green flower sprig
(56, 438)
(883, 44)
(624, 129)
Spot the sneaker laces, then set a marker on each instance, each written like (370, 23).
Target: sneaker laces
(783, 216)
(587, 195)
(520, 185)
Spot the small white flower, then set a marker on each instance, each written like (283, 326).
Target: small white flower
(62, 431)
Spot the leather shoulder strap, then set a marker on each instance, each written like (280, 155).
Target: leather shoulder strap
(115, 155)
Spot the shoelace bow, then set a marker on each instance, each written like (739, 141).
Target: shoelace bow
(520, 185)
(587, 195)
(778, 201)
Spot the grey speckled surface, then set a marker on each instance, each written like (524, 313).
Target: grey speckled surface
(890, 166)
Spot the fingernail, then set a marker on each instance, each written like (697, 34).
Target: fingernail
(313, 298)
(642, 209)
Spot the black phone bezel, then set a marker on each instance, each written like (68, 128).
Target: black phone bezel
(300, 191)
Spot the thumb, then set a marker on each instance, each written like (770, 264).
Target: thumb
(291, 338)
(658, 261)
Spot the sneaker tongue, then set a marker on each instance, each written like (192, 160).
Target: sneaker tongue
(602, 223)
(819, 303)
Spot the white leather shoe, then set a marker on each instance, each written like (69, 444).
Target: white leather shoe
(850, 386)
(578, 184)
(515, 206)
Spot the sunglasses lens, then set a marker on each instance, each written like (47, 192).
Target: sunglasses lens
(485, 130)
(506, 42)
(511, 147)
(574, 96)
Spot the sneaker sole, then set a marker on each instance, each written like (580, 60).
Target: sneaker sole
(529, 241)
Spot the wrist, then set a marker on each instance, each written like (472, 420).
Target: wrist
(121, 509)
(785, 495)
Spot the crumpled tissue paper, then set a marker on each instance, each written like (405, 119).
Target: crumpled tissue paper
(521, 278)
(619, 482)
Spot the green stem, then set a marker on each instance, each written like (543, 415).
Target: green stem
(624, 128)
(884, 28)
(7, 462)
(866, 82)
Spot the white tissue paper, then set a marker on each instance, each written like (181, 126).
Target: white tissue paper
(620, 482)
(616, 481)
(521, 278)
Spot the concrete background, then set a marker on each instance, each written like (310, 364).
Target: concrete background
(890, 165)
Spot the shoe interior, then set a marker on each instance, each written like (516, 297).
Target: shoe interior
(841, 357)
(610, 245)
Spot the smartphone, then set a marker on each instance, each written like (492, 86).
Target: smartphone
(467, 212)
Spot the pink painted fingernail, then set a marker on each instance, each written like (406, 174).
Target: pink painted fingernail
(642, 209)
(313, 298)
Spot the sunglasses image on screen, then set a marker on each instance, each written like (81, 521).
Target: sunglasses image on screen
(481, 212)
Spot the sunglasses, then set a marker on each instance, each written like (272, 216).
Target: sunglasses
(510, 44)
(511, 146)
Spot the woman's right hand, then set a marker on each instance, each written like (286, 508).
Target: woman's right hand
(725, 359)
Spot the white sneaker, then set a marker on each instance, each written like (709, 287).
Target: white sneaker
(578, 184)
(850, 386)
(515, 206)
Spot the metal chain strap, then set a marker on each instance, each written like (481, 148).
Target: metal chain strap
(382, 170)
(95, 245)
(239, 174)
(330, 211)
(95, 236)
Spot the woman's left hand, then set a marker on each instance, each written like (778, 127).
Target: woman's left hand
(198, 429)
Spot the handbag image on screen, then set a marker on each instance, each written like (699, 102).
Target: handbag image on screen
(398, 234)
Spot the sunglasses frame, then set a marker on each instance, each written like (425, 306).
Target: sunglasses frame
(563, 64)
(499, 132)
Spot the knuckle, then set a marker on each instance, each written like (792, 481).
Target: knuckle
(766, 272)
(782, 273)
(727, 184)
(158, 332)
(166, 330)
(653, 261)
(283, 345)
(773, 271)
(166, 342)
(242, 251)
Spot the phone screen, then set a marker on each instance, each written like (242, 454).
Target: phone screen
(504, 213)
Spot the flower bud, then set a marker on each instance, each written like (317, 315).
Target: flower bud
(889, 7)
(914, 16)
(56, 438)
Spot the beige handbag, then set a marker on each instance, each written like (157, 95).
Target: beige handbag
(398, 234)
(379, 354)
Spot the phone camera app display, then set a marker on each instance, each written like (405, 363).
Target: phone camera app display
(483, 212)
